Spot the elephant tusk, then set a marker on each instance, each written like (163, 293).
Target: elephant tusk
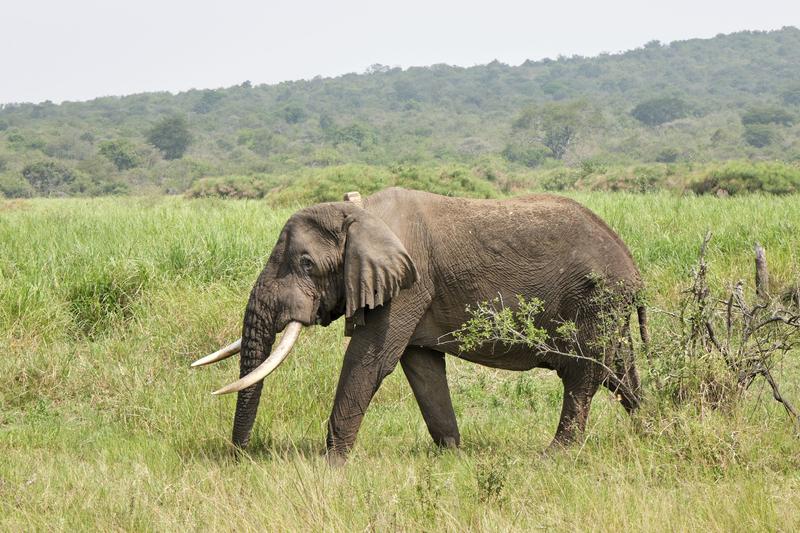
(290, 335)
(219, 355)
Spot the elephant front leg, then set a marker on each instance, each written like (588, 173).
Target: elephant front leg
(372, 355)
(358, 383)
(425, 370)
(581, 382)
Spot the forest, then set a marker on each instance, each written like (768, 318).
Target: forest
(708, 115)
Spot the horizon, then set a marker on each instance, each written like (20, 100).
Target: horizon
(82, 52)
(366, 71)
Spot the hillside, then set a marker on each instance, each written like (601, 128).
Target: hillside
(690, 102)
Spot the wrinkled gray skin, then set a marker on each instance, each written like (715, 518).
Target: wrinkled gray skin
(413, 261)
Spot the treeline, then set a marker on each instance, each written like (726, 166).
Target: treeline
(733, 97)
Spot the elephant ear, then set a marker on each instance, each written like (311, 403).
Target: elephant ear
(376, 264)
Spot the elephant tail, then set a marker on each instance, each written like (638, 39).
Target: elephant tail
(641, 312)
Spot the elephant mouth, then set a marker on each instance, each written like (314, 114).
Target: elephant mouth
(324, 317)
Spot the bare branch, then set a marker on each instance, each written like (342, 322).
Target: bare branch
(762, 274)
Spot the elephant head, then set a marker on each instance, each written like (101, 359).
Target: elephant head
(330, 260)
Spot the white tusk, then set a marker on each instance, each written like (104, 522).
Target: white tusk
(219, 355)
(290, 335)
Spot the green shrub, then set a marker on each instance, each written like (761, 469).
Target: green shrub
(121, 153)
(745, 177)
(328, 184)
(293, 114)
(641, 179)
(237, 187)
(525, 154)
(260, 141)
(48, 177)
(561, 179)
(768, 115)
(760, 135)
(657, 111)
(13, 186)
(667, 155)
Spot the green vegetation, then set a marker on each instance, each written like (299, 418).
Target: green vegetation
(171, 136)
(105, 302)
(697, 102)
(657, 111)
(742, 177)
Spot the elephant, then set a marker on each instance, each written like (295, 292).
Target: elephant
(402, 266)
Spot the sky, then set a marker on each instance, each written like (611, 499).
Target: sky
(80, 49)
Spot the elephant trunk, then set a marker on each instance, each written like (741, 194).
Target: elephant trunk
(257, 338)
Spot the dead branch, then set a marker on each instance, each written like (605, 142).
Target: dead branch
(762, 274)
(756, 334)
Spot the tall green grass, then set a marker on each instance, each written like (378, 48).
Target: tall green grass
(104, 303)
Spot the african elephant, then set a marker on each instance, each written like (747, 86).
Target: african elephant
(402, 267)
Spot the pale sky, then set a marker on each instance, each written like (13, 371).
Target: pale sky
(79, 49)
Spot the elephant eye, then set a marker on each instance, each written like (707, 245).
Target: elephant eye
(306, 264)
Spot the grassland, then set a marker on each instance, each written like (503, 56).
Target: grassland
(103, 304)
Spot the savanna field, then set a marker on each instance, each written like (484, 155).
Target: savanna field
(104, 303)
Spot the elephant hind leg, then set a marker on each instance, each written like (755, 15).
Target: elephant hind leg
(624, 382)
(581, 382)
(626, 388)
(425, 370)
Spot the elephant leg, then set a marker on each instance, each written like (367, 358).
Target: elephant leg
(425, 371)
(372, 354)
(580, 385)
(624, 382)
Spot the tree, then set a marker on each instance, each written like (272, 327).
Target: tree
(294, 114)
(47, 177)
(121, 153)
(555, 125)
(171, 136)
(657, 111)
(760, 135)
(767, 115)
(208, 100)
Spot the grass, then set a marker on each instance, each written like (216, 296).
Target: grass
(104, 302)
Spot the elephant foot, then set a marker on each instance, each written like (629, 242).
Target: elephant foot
(447, 443)
(556, 447)
(335, 459)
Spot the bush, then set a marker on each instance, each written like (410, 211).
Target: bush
(667, 155)
(657, 111)
(94, 186)
(561, 179)
(745, 177)
(259, 141)
(294, 114)
(48, 177)
(236, 187)
(12, 186)
(525, 154)
(768, 115)
(121, 153)
(313, 186)
(358, 134)
(641, 179)
(760, 135)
